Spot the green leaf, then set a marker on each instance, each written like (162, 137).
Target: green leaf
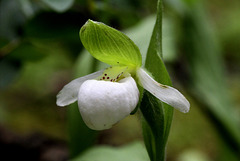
(193, 155)
(207, 75)
(11, 18)
(27, 8)
(141, 35)
(157, 115)
(109, 45)
(59, 5)
(132, 152)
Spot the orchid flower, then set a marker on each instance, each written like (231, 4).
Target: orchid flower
(109, 95)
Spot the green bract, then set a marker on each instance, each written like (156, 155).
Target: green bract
(109, 45)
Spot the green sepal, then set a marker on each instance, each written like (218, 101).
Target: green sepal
(109, 45)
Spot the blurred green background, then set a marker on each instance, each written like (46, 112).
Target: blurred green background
(40, 52)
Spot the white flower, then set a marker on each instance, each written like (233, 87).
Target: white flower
(107, 96)
(103, 103)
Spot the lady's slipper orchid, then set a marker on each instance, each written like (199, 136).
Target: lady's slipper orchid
(107, 96)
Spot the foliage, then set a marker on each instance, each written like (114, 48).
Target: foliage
(40, 51)
(133, 151)
(157, 115)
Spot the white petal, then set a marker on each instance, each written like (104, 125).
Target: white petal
(69, 92)
(104, 103)
(164, 93)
